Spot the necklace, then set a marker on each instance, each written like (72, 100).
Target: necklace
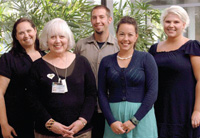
(59, 79)
(121, 58)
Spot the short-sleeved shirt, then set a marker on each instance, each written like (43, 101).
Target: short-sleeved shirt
(16, 68)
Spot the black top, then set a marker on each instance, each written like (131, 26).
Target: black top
(79, 101)
(136, 83)
(176, 94)
(16, 68)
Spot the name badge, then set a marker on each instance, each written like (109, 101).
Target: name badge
(59, 87)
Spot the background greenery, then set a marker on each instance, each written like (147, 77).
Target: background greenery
(77, 15)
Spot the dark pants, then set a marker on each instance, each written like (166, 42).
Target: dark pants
(98, 122)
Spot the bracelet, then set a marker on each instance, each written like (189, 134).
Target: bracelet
(49, 124)
(82, 122)
(134, 121)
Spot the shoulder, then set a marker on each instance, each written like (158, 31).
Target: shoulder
(192, 47)
(8, 57)
(39, 62)
(109, 58)
(153, 48)
(85, 40)
(144, 56)
(141, 54)
(81, 59)
(112, 40)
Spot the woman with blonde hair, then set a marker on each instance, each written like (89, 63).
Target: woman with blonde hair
(178, 105)
(62, 88)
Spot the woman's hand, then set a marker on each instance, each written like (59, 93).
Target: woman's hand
(117, 127)
(7, 131)
(195, 119)
(128, 126)
(61, 129)
(77, 125)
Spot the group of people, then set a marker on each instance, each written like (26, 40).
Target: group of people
(153, 94)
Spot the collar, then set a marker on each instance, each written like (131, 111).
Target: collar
(111, 40)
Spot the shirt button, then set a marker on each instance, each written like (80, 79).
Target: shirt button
(25, 89)
(122, 77)
(123, 91)
(124, 98)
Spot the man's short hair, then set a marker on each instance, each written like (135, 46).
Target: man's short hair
(102, 7)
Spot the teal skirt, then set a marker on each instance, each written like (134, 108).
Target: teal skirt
(123, 111)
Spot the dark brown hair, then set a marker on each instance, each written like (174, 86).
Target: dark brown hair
(128, 20)
(17, 49)
(102, 7)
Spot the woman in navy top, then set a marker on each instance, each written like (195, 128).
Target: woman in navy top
(127, 87)
(15, 118)
(178, 58)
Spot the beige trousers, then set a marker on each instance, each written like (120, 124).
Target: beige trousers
(84, 135)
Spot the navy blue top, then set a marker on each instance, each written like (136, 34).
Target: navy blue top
(136, 83)
(176, 94)
(79, 101)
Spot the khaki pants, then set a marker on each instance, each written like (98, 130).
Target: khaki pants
(84, 135)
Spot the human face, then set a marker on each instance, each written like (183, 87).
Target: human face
(100, 21)
(126, 37)
(173, 25)
(57, 43)
(26, 34)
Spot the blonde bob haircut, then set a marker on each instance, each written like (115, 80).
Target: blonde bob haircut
(54, 27)
(179, 11)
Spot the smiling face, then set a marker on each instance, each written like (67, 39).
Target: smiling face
(26, 34)
(173, 25)
(100, 20)
(57, 43)
(126, 37)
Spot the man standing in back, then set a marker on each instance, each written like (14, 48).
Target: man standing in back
(94, 48)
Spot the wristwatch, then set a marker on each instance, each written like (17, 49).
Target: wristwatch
(134, 120)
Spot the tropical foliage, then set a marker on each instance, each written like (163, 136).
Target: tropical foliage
(77, 14)
(148, 20)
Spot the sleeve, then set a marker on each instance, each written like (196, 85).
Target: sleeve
(33, 93)
(151, 84)
(102, 92)
(5, 63)
(90, 92)
(152, 49)
(193, 48)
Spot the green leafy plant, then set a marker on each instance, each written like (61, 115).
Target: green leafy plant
(76, 13)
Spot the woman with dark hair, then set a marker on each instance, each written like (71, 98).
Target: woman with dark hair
(15, 119)
(127, 87)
